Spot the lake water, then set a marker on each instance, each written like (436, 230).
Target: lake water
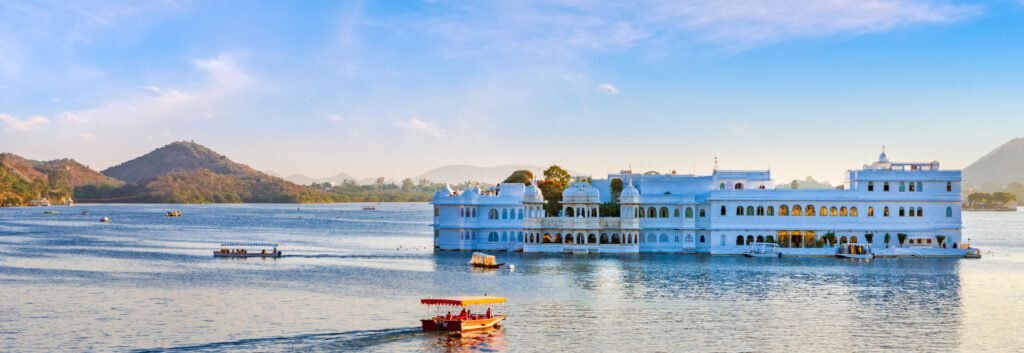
(351, 279)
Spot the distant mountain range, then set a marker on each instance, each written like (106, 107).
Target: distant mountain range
(459, 173)
(995, 170)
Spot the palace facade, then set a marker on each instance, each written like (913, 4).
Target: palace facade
(899, 208)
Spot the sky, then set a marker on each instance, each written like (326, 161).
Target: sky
(395, 88)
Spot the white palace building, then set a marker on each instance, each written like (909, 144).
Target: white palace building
(722, 214)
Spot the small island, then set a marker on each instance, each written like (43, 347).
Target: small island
(996, 201)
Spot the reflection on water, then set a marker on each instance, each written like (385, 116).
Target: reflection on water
(351, 279)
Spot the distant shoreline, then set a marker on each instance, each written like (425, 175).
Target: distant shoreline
(995, 209)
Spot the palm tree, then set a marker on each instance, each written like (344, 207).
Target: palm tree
(902, 237)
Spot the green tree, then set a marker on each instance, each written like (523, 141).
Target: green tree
(552, 190)
(870, 237)
(902, 237)
(616, 186)
(521, 176)
(556, 173)
(1003, 198)
(941, 239)
(408, 185)
(887, 239)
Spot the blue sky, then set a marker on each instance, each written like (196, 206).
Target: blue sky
(393, 88)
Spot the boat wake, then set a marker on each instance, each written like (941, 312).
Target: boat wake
(316, 342)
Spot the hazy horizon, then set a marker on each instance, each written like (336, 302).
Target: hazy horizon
(395, 89)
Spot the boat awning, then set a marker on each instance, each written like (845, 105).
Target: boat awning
(463, 301)
(249, 245)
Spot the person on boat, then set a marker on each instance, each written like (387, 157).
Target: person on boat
(462, 315)
(488, 315)
(448, 317)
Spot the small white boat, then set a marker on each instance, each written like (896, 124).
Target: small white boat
(247, 250)
(485, 261)
(855, 251)
(763, 250)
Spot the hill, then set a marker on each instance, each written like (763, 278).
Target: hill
(997, 169)
(23, 179)
(808, 183)
(187, 172)
(460, 173)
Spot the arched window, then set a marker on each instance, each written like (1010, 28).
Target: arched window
(675, 213)
(492, 237)
(663, 212)
(769, 239)
(504, 237)
(616, 239)
(738, 186)
(871, 211)
(569, 212)
(871, 186)
(689, 239)
(760, 210)
(462, 212)
(721, 186)
(809, 211)
(833, 212)
(913, 187)
(797, 210)
(771, 210)
(723, 210)
(547, 238)
(750, 210)
(842, 212)
(520, 237)
(702, 213)
(492, 214)
(721, 240)
(853, 212)
(651, 238)
(823, 212)
(520, 214)
(702, 239)
(902, 212)
(591, 238)
(920, 186)
(885, 211)
(640, 212)
(783, 210)
(750, 239)
(949, 212)
(903, 187)
(760, 238)
(579, 238)
(474, 213)
(652, 212)
(593, 212)
(504, 213)
(739, 240)
(689, 212)
(920, 212)
(663, 238)
(739, 210)
(842, 240)
(558, 238)
(949, 186)
(885, 186)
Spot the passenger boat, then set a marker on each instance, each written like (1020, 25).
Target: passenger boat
(480, 259)
(464, 320)
(855, 251)
(973, 253)
(247, 250)
(174, 213)
(763, 250)
(39, 202)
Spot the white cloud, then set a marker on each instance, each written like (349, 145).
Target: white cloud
(153, 89)
(421, 127)
(608, 89)
(12, 123)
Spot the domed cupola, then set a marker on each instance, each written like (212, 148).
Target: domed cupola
(471, 194)
(581, 192)
(445, 191)
(629, 194)
(533, 194)
(883, 158)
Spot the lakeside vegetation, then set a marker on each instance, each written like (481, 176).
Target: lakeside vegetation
(997, 201)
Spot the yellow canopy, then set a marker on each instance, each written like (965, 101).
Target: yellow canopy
(463, 301)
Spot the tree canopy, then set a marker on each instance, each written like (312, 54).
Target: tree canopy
(521, 176)
(556, 173)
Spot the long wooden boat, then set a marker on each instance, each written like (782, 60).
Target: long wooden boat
(482, 260)
(242, 250)
(464, 321)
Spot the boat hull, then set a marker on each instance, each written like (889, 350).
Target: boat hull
(220, 254)
(488, 266)
(430, 325)
(852, 256)
(762, 255)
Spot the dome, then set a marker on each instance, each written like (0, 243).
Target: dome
(882, 158)
(470, 194)
(533, 194)
(444, 191)
(629, 194)
(581, 192)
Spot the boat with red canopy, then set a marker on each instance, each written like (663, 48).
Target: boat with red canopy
(459, 316)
